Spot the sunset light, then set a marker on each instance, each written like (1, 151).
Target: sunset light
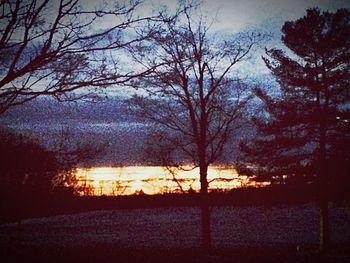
(155, 180)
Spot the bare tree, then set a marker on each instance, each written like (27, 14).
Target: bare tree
(50, 47)
(193, 99)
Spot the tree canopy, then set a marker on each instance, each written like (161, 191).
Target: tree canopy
(303, 133)
(50, 47)
(302, 128)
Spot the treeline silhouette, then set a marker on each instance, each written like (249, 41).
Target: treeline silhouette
(28, 169)
(32, 204)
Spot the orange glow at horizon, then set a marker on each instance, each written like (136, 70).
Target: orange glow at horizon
(113, 181)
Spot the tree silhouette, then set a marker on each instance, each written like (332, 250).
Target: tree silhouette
(26, 173)
(193, 98)
(55, 47)
(303, 128)
(24, 161)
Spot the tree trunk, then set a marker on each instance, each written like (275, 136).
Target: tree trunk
(323, 195)
(324, 226)
(205, 209)
(19, 232)
(324, 244)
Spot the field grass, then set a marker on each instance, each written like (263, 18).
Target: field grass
(278, 234)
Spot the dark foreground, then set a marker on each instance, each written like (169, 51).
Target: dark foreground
(282, 233)
(103, 254)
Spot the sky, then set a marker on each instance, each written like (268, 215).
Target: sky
(237, 15)
(233, 16)
(265, 16)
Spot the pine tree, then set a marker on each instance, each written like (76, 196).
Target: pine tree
(303, 133)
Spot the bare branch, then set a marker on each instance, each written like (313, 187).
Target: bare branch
(193, 97)
(53, 47)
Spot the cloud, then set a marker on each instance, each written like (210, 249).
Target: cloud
(239, 15)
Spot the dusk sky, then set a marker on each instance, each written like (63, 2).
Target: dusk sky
(264, 16)
(237, 15)
(227, 17)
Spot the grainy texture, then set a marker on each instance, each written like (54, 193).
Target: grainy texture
(180, 228)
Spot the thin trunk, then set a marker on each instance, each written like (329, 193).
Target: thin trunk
(22, 205)
(324, 226)
(203, 166)
(205, 209)
(323, 197)
(19, 231)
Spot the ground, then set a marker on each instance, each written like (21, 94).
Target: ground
(251, 234)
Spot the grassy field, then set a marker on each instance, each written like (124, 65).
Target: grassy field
(251, 234)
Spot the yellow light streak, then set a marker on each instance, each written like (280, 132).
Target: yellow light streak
(156, 180)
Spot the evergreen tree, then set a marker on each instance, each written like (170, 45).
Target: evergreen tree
(303, 132)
